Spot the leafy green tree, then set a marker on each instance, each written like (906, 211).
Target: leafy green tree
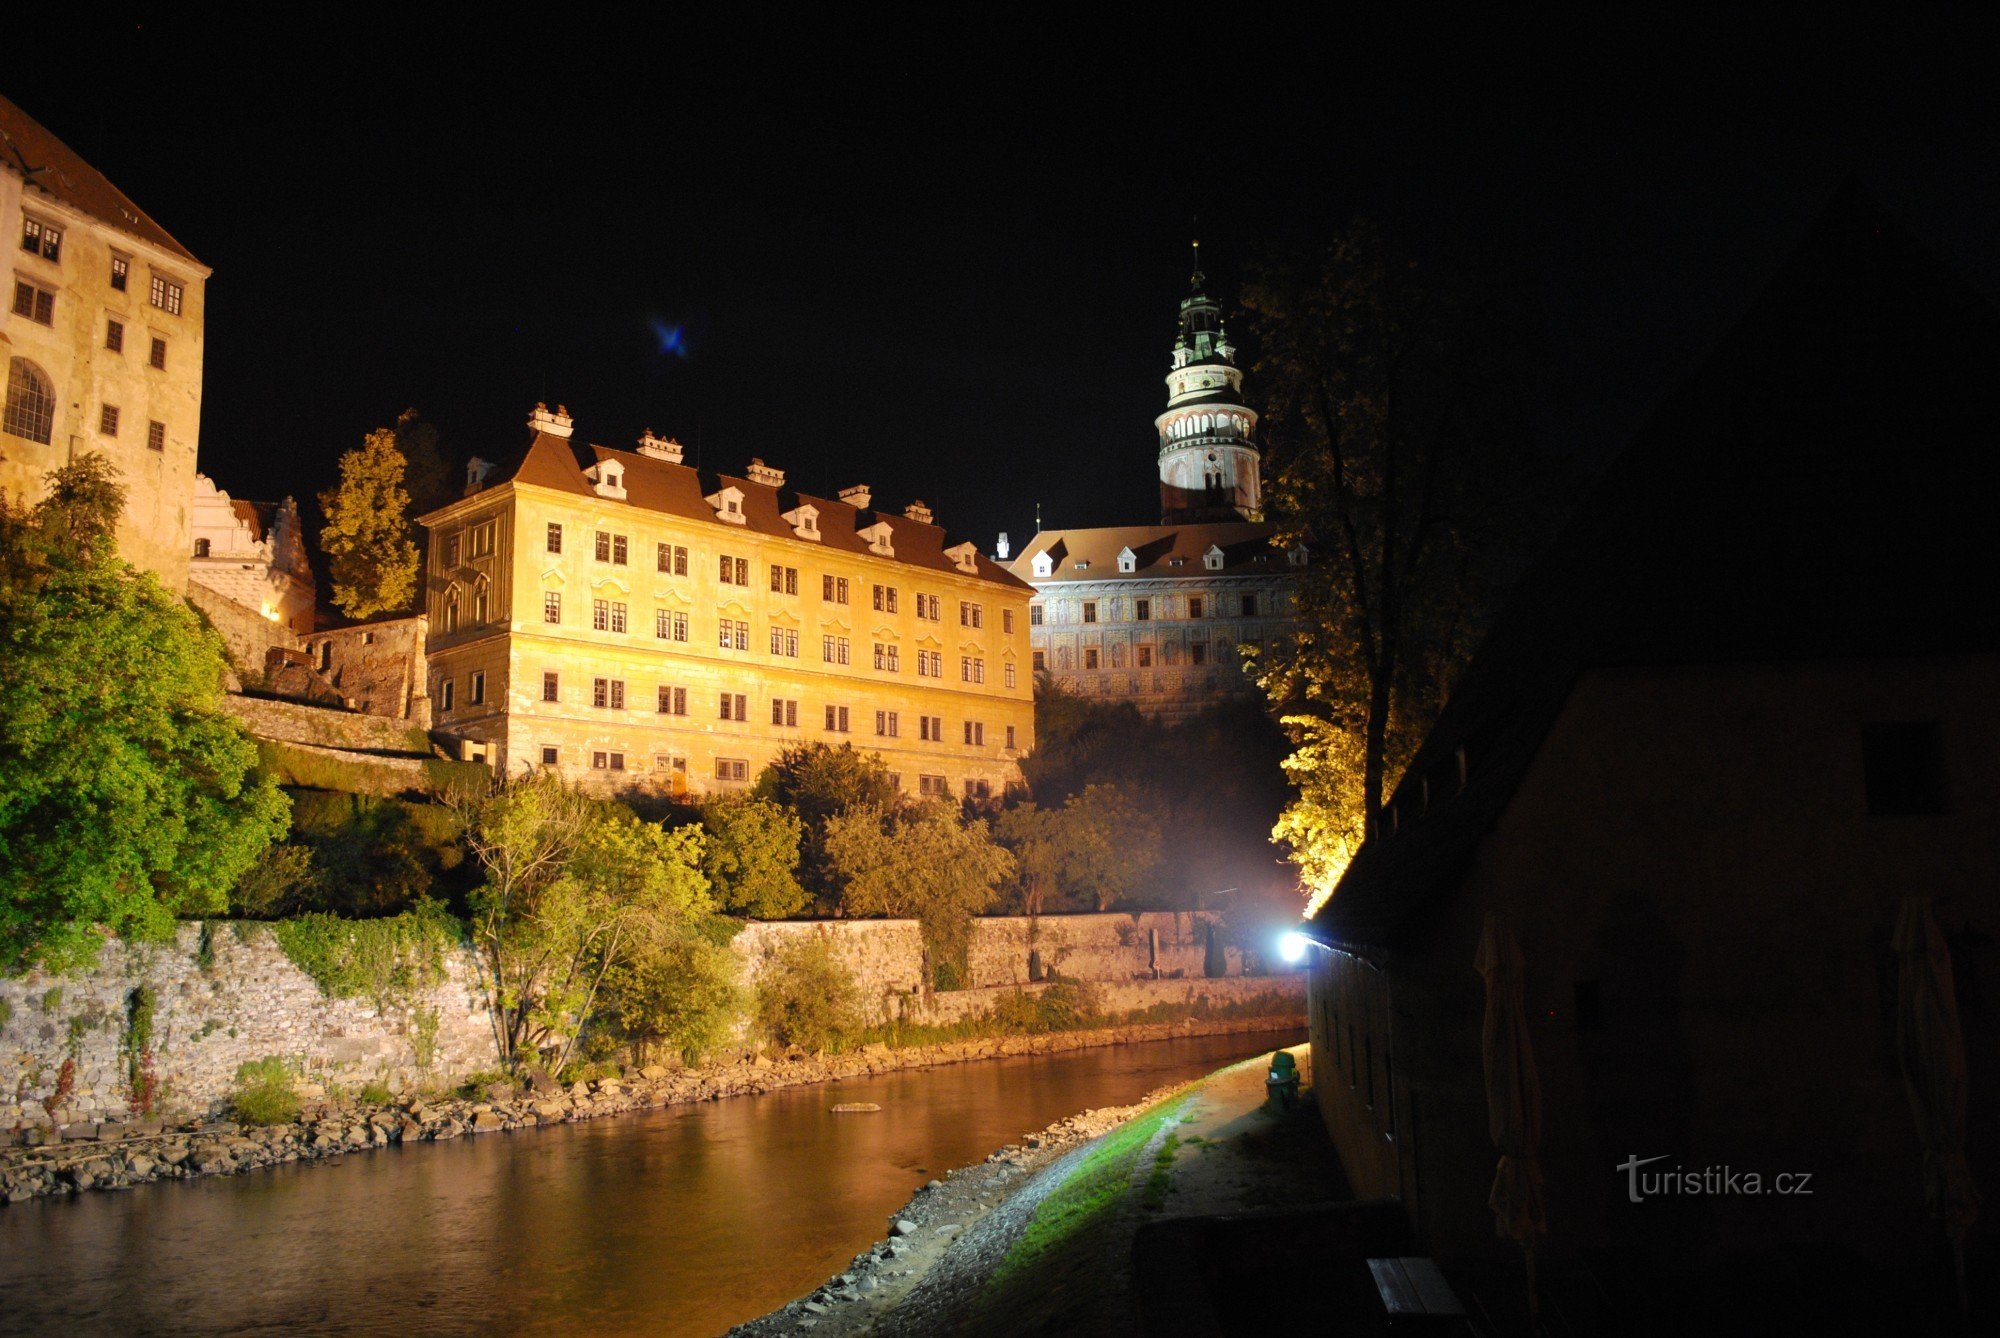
(675, 985)
(806, 996)
(128, 796)
(1093, 851)
(922, 861)
(820, 783)
(751, 857)
(367, 535)
(1395, 454)
(570, 884)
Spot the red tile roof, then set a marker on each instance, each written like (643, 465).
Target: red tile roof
(682, 490)
(52, 167)
(1246, 551)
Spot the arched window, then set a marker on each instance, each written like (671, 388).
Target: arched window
(31, 402)
(451, 609)
(479, 603)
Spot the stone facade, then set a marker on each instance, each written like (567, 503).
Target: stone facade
(324, 727)
(248, 637)
(641, 622)
(100, 342)
(238, 1001)
(253, 553)
(379, 668)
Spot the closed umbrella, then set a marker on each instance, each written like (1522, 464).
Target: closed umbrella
(1932, 1050)
(1513, 1095)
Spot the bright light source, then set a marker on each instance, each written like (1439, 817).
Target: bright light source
(1292, 947)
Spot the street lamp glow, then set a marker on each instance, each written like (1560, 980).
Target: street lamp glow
(1292, 947)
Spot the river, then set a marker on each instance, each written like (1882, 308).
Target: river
(670, 1222)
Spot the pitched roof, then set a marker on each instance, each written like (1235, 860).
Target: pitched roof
(682, 490)
(52, 167)
(1822, 486)
(1246, 551)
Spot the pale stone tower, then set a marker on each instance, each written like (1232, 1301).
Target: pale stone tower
(1208, 452)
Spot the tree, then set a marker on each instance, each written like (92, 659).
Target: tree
(751, 857)
(819, 783)
(367, 537)
(806, 996)
(1093, 851)
(128, 796)
(922, 861)
(1394, 457)
(571, 882)
(674, 985)
(426, 477)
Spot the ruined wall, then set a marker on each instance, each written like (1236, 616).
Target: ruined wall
(378, 667)
(220, 999)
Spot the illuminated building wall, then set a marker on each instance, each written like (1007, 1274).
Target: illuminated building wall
(634, 620)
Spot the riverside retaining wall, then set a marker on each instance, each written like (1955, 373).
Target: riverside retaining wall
(226, 995)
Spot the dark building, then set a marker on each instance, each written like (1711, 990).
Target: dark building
(1747, 704)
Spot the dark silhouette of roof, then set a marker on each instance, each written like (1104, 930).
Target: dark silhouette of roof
(52, 167)
(1822, 486)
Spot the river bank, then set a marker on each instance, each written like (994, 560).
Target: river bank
(1040, 1235)
(74, 1158)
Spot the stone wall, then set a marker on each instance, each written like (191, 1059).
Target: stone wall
(1265, 996)
(1116, 948)
(247, 636)
(378, 667)
(239, 1000)
(324, 727)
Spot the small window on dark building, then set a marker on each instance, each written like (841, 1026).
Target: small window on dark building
(1903, 768)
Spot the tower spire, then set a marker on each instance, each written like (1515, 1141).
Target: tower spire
(1209, 461)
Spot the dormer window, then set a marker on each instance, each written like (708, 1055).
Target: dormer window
(1296, 555)
(1177, 562)
(728, 504)
(1128, 561)
(1043, 565)
(1212, 559)
(607, 479)
(1082, 564)
(964, 556)
(804, 521)
(878, 537)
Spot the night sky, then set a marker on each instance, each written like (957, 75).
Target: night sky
(944, 259)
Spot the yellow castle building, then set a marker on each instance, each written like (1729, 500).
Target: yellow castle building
(100, 342)
(628, 619)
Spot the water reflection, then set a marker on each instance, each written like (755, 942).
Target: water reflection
(681, 1221)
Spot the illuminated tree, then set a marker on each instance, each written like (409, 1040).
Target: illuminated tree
(1394, 458)
(367, 536)
(128, 797)
(922, 861)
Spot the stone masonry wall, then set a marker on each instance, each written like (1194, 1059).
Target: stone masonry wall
(324, 727)
(247, 1003)
(241, 999)
(247, 636)
(886, 955)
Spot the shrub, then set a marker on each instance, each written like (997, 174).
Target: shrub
(389, 959)
(375, 1093)
(266, 1092)
(807, 997)
(675, 985)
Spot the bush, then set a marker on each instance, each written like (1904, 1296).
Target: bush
(389, 960)
(266, 1092)
(376, 1093)
(807, 997)
(674, 985)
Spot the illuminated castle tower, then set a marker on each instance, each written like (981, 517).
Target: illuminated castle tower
(1208, 453)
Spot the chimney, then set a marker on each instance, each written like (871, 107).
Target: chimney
(659, 449)
(918, 512)
(1001, 549)
(857, 496)
(759, 472)
(556, 424)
